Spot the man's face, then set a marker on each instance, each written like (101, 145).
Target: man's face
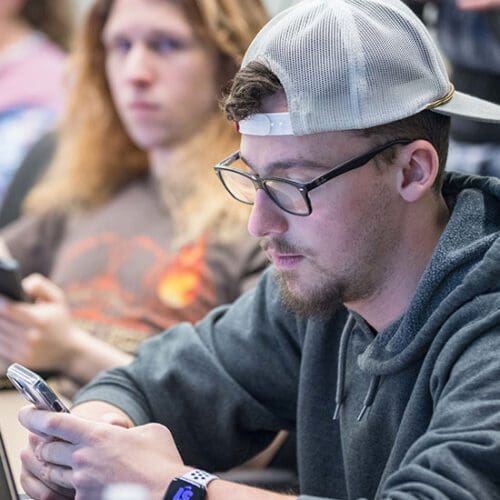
(342, 251)
(161, 77)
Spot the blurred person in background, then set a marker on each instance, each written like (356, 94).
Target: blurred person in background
(130, 223)
(33, 37)
(468, 33)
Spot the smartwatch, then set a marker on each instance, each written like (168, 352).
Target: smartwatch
(190, 486)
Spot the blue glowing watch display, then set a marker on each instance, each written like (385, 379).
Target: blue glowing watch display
(190, 486)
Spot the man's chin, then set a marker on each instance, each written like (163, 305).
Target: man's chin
(319, 302)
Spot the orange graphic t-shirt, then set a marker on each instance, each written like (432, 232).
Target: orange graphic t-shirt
(121, 280)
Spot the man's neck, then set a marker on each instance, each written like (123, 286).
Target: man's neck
(405, 267)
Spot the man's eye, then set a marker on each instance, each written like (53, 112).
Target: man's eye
(165, 44)
(119, 45)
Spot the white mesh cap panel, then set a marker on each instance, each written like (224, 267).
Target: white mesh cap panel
(404, 71)
(350, 64)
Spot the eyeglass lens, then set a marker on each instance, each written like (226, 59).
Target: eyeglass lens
(241, 187)
(287, 196)
(284, 194)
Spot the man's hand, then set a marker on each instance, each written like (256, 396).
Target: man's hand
(39, 335)
(69, 455)
(478, 4)
(100, 411)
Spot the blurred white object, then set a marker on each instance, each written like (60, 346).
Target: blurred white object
(125, 491)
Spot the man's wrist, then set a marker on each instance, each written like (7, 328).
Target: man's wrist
(192, 483)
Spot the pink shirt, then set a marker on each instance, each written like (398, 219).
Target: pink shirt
(31, 74)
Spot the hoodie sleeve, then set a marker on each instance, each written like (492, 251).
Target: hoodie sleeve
(214, 394)
(458, 456)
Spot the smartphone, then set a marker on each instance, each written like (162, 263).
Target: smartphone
(35, 389)
(10, 280)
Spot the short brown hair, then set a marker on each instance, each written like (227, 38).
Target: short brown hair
(256, 81)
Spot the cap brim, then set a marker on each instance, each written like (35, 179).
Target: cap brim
(467, 106)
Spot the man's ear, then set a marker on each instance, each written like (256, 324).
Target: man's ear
(418, 168)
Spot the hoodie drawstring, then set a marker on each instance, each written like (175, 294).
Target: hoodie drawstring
(344, 341)
(370, 396)
(342, 359)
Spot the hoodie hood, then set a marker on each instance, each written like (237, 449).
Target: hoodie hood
(465, 264)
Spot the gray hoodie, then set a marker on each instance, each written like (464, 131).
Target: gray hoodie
(417, 407)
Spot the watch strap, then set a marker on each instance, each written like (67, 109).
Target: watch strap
(192, 485)
(199, 477)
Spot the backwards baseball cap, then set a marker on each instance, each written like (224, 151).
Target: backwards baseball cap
(354, 64)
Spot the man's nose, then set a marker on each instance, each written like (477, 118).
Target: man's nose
(266, 217)
(138, 65)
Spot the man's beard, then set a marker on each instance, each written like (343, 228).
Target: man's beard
(329, 290)
(322, 302)
(328, 293)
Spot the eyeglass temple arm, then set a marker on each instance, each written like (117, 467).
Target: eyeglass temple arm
(353, 164)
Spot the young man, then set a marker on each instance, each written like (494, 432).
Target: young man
(376, 333)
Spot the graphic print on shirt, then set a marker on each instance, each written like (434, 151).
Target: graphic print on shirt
(180, 283)
(134, 284)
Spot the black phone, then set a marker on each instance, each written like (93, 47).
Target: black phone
(35, 389)
(10, 280)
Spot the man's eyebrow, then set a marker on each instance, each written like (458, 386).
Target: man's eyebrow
(288, 164)
(150, 32)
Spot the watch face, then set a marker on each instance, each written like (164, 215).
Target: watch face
(184, 490)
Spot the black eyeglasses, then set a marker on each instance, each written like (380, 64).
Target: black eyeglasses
(291, 196)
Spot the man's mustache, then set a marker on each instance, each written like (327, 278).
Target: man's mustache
(280, 245)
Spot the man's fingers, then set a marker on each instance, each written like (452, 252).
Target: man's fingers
(64, 426)
(55, 452)
(35, 440)
(60, 476)
(36, 489)
(33, 432)
(55, 478)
